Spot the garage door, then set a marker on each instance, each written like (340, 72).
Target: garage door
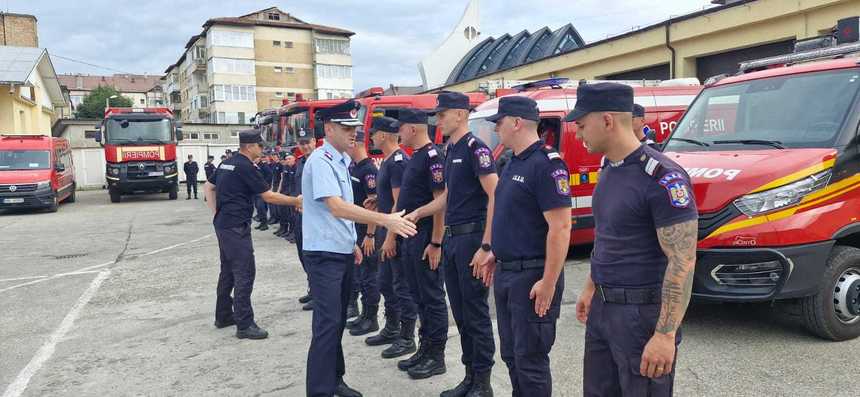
(199, 152)
(89, 168)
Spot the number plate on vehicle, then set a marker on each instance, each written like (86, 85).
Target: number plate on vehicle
(156, 173)
(13, 201)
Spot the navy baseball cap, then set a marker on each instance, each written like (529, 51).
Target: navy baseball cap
(638, 110)
(601, 97)
(384, 124)
(344, 114)
(410, 116)
(516, 106)
(451, 100)
(250, 136)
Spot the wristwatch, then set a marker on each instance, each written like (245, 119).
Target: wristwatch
(486, 247)
(437, 245)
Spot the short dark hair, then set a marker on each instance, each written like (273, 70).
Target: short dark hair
(210, 157)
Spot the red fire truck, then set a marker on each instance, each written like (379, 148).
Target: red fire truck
(291, 118)
(664, 104)
(140, 151)
(374, 104)
(774, 155)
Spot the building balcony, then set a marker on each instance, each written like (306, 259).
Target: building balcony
(199, 65)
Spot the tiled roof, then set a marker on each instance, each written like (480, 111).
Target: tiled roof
(122, 82)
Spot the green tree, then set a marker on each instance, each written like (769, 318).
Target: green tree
(93, 105)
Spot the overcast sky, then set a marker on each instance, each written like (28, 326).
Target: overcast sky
(392, 36)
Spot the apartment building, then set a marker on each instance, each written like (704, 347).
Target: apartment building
(238, 66)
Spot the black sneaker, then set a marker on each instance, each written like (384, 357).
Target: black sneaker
(224, 324)
(305, 299)
(308, 306)
(252, 332)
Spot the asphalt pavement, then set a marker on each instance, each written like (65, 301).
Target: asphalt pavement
(117, 299)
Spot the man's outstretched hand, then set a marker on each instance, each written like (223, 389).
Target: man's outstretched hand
(397, 224)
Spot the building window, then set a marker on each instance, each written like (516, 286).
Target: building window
(291, 95)
(210, 136)
(143, 101)
(290, 70)
(228, 38)
(240, 118)
(332, 46)
(334, 71)
(193, 136)
(234, 134)
(279, 94)
(90, 134)
(279, 69)
(276, 43)
(232, 66)
(274, 16)
(288, 44)
(234, 93)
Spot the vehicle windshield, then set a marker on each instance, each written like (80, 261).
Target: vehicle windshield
(798, 111)
(24, 160)
(485, 130)
(120, 131)
(296, 122)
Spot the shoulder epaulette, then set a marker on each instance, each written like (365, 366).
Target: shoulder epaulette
(650, 165)
(432, 153)
(551, 153)
(472, 142)
(398, 157)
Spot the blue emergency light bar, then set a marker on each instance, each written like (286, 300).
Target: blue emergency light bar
(556, 82)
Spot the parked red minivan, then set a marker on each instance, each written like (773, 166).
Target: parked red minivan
(36, 171)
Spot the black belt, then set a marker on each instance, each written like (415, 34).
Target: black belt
(518, 266)
(630, 296)
(465, 228)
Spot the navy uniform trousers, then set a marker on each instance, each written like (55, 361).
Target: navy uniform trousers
(392, 282)
(526, 339)
(238, 270)
(468, 297)
(427, 287)
(330, 280)
(615, 336)
(367, 274)
(262, 208)
(299, 246)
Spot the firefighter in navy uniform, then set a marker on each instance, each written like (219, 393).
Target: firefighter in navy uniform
(533, 195)
(640, 129)
(307, 144)
(400, 310)
(262, 207)
(423, 180)
(363, 174)
(470, 178)
(330, 249)
(229, 192)
(287, 214)
(644, 254)
(191, 169)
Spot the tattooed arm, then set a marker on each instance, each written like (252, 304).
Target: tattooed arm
(679, 244)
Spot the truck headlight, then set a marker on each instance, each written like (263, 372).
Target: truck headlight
(44, 185)
(114, 171)
(783, 196)
(168, 169)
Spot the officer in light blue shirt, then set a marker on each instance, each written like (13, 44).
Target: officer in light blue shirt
(329, 247)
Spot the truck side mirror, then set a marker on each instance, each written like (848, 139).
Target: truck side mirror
(60, 167)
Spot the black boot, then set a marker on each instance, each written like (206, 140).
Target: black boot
(481, 386)
(389, 333)
(461, 389)
(279, 232)
(308, 306)
(431, 364)
(405, 343)
(352, 309)
(306, 298)
(252, 332)
(345, 391)
(369, 322)
(273, 221)
(352, 323)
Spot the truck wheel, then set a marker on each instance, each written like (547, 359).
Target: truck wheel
(71, 198)
(173, 193)
(834, 312)
(114, 195)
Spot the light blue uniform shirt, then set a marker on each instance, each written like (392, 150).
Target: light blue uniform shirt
(326, 174)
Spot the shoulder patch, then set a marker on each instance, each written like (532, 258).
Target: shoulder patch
(679, 193)
(370, 179)
(670, 177)
(436, 172)
(432, 153)
(485, 158)
(398, 157)
(562, 182)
